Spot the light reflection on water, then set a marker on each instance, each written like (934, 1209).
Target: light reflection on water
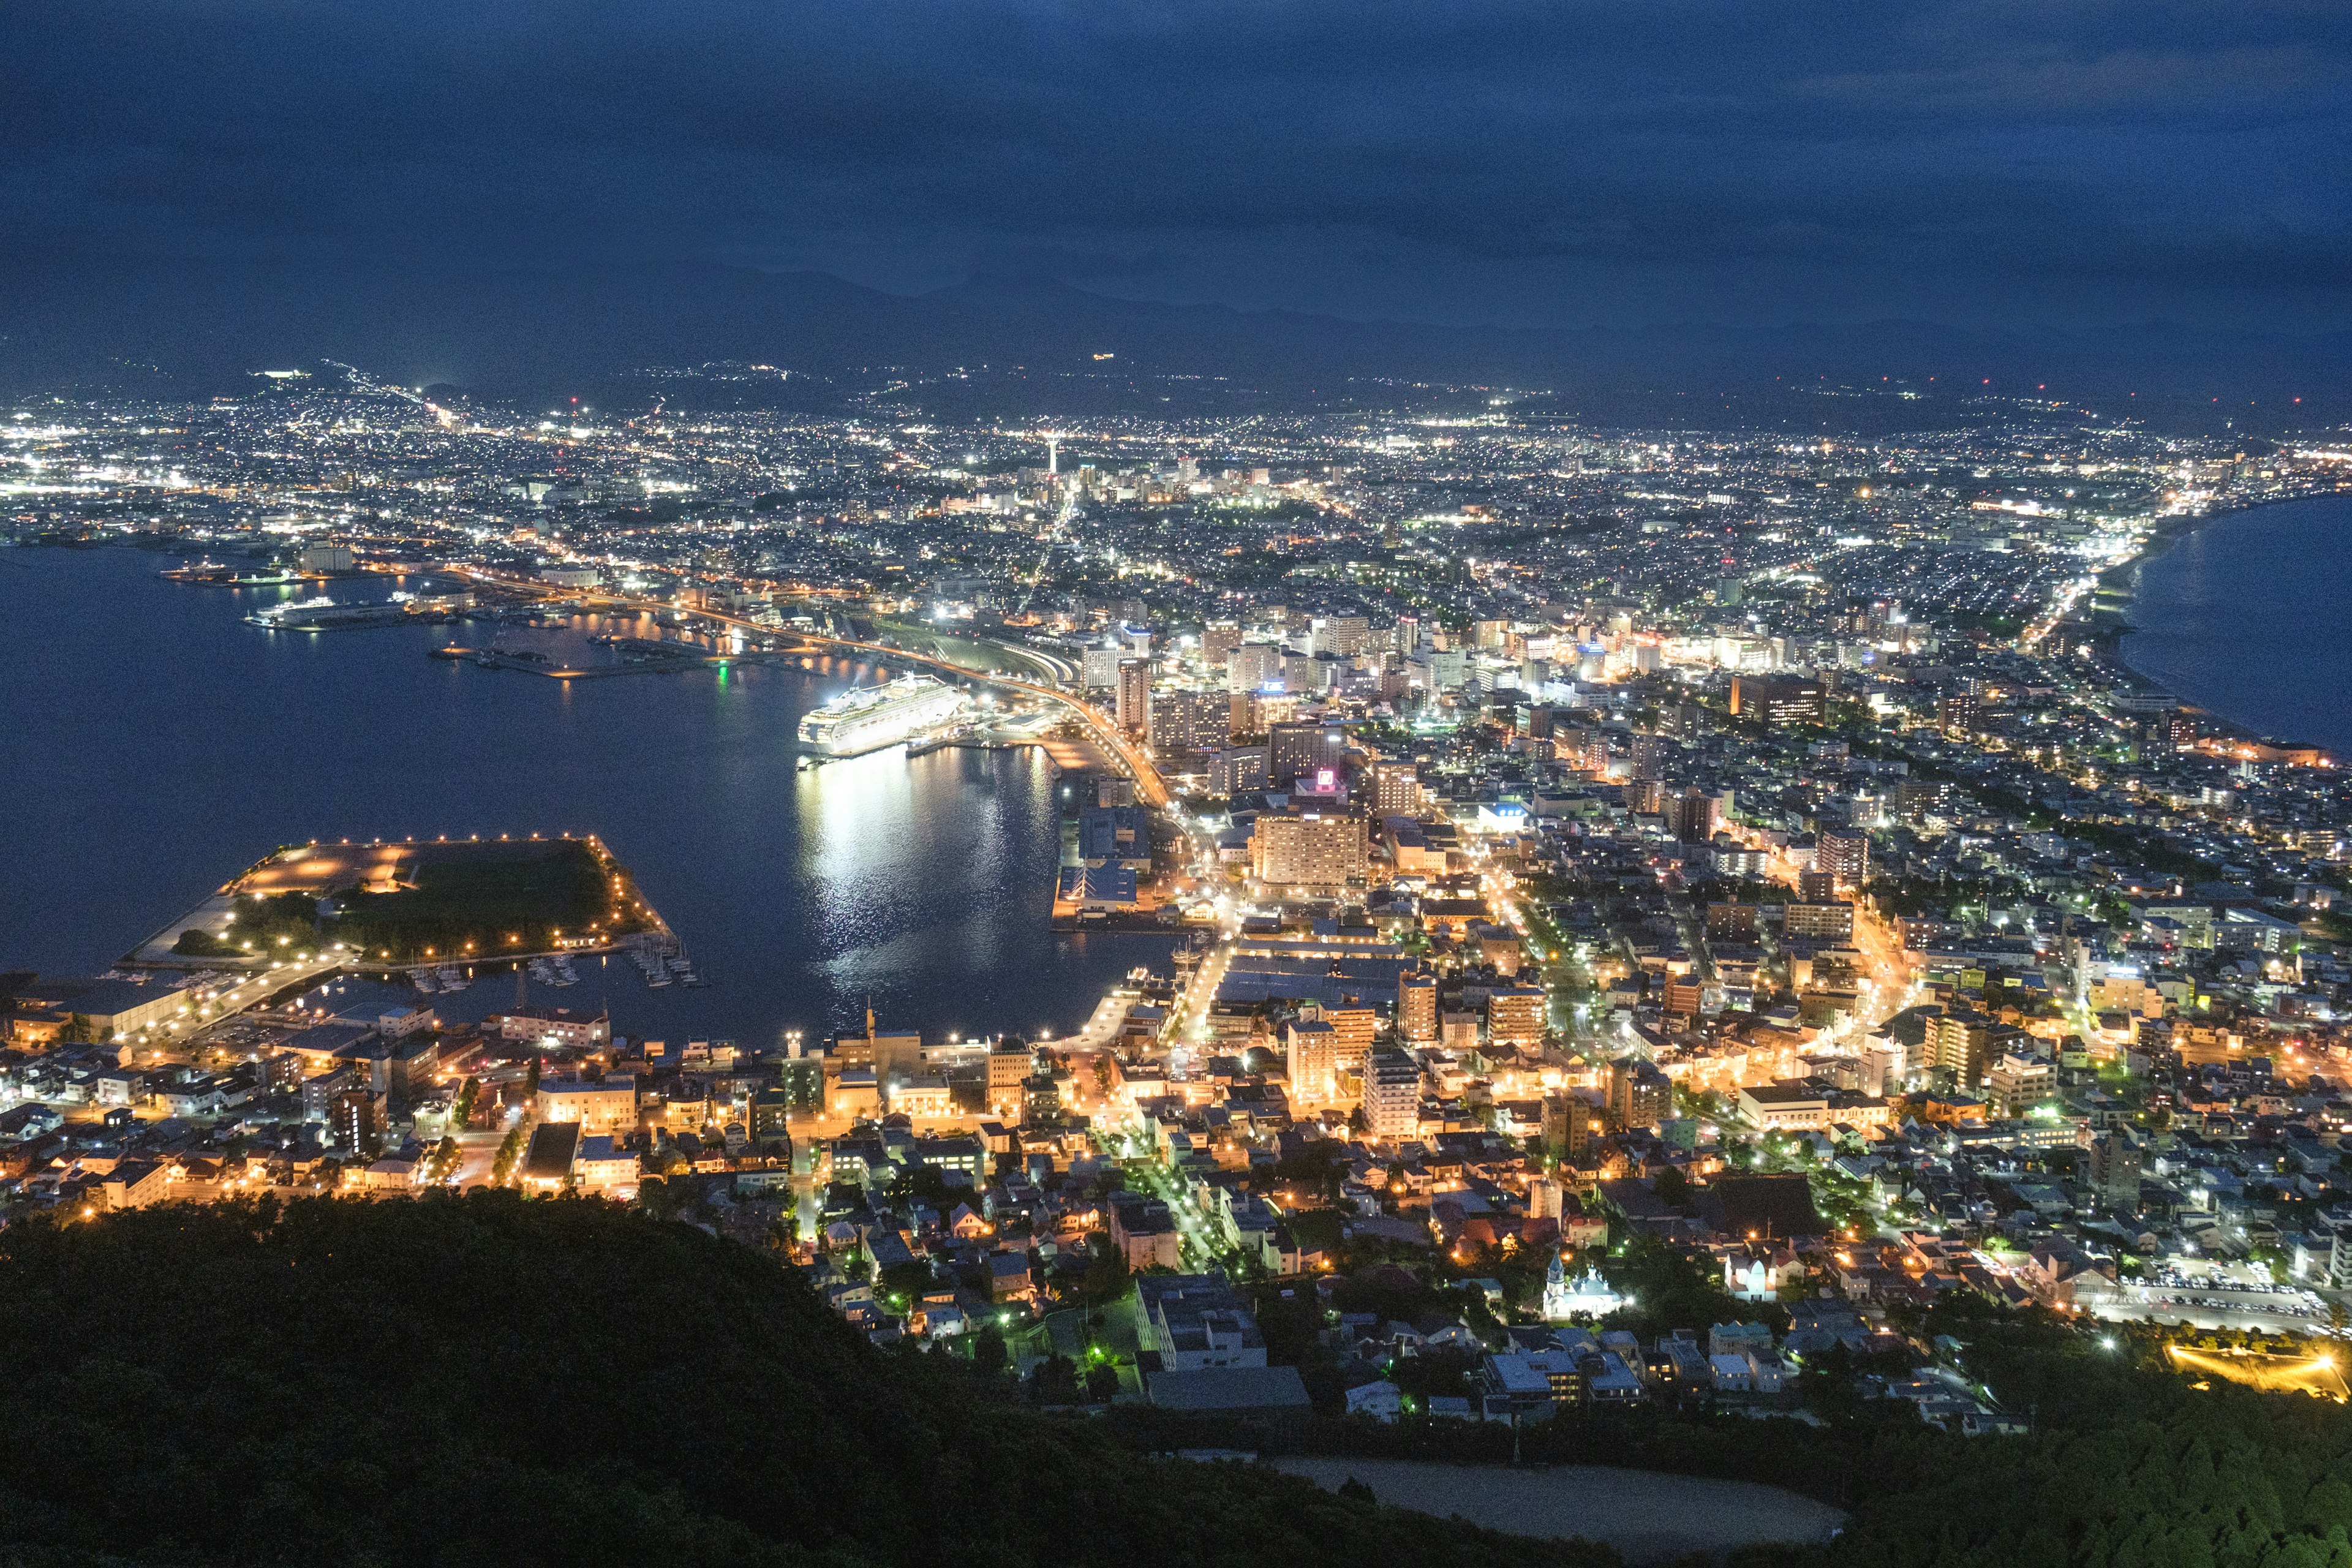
(159, 744)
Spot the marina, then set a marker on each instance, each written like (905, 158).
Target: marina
(441, 980)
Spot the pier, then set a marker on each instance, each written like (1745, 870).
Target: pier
(1120, 751)
(528, 661)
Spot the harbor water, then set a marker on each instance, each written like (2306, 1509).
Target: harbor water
(158, 743)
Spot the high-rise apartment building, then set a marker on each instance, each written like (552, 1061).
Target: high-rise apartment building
(1313, 849)
(1304, 671)
(1962, 1042)
(1304, 747)
(1639, 1094)
(1394, 789)
(1819, 922)
(1238, 770)
(353, 1117)
(1693, 815)
(1134, 710)
(1251, 665)
(1567, 1125)
(1914, 797)
(1342, 635)
(1779, 700)
(1417, 1008)
(1186, 722)
(1311, 1046)
(1353, 1028)
(1845, 857)
(1009, 1066)
(1515, 1015)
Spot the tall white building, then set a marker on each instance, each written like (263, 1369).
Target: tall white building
(1251, 665)
(1134, 697)
(1314, 1058)
(1392, 1093)
(1342, 635)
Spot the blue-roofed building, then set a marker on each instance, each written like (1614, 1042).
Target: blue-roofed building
(1330, 971)
(1115, 836)
(1097, 887)
(1259, 1391)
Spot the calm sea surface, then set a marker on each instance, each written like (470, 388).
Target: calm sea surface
(156, 744)
(2252, 617)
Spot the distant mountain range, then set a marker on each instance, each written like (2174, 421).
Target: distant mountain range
(591, 332)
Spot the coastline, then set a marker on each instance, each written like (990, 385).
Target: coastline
(2119, 593)
(2123, 589)
(927, 887)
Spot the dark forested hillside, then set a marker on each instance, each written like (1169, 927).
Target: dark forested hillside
(2129, 1465)
(485, 1380)
(482, 1380)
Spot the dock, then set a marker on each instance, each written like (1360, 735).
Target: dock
(639, 656)
(531, 663)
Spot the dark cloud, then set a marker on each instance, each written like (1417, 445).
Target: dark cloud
(1477, 160)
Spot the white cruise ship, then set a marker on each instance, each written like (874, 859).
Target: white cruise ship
(872, 716)
(324, 615)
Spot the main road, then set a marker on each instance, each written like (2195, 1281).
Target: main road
(1129, 757)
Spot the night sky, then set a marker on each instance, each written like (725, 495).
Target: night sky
(1568, 163)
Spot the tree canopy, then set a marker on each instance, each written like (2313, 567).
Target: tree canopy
(485, 1379)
